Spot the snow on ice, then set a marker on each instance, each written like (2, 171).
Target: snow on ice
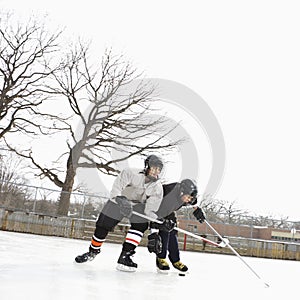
(42, 267)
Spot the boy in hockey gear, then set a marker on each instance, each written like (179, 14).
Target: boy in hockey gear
(176, 195)
(141, 190)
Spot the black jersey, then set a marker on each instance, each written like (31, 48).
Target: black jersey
(171, 201)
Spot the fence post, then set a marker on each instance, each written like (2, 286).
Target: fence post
(184, 242)
(35, 196)
(83, 204)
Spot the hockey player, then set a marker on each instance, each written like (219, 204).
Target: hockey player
(160, 242)
(132, 188)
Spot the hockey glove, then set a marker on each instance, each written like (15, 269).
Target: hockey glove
(199, 214)
(166, 225)
(125, 206)
(154, 243)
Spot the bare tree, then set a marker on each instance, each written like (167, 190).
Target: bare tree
(26, 53)
(112, 108)
(222, 210)
(229, 212)
(271, 221)
(13, 191)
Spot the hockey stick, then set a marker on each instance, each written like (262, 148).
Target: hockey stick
(235, 252)
(220, 245)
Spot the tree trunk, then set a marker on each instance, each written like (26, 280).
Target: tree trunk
(65, 195)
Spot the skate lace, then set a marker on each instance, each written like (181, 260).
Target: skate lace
(179, 264)
(92, 254)
(163, 262)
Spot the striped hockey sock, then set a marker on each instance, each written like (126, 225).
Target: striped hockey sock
(96, 243)
(133, 237)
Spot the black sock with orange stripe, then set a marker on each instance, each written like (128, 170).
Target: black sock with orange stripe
(96, 244)
(98, 238)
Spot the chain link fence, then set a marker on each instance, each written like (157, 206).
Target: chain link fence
(29, 198)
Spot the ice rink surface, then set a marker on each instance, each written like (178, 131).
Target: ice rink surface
(42, 267)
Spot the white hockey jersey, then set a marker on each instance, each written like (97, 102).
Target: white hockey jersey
(131, 184)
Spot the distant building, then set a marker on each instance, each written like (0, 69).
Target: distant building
(237, 230)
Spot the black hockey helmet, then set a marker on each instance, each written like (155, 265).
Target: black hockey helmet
(189, 187)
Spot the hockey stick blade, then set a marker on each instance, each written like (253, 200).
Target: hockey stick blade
(224, 243)
(236, 253)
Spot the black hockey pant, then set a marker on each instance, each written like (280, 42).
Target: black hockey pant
(169, 244)
(109, 217)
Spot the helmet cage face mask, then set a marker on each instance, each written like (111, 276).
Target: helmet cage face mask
(193, 201)
(189, 187)
(152, 161)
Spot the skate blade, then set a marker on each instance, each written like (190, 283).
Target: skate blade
(124, 268)
(182, 273)
(79, 261)
(166, 272)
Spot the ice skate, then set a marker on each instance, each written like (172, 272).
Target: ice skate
(125, 262)
(180, 266)
(162, 265)
(88, 256)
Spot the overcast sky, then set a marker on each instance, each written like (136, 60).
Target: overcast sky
(241, 57)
